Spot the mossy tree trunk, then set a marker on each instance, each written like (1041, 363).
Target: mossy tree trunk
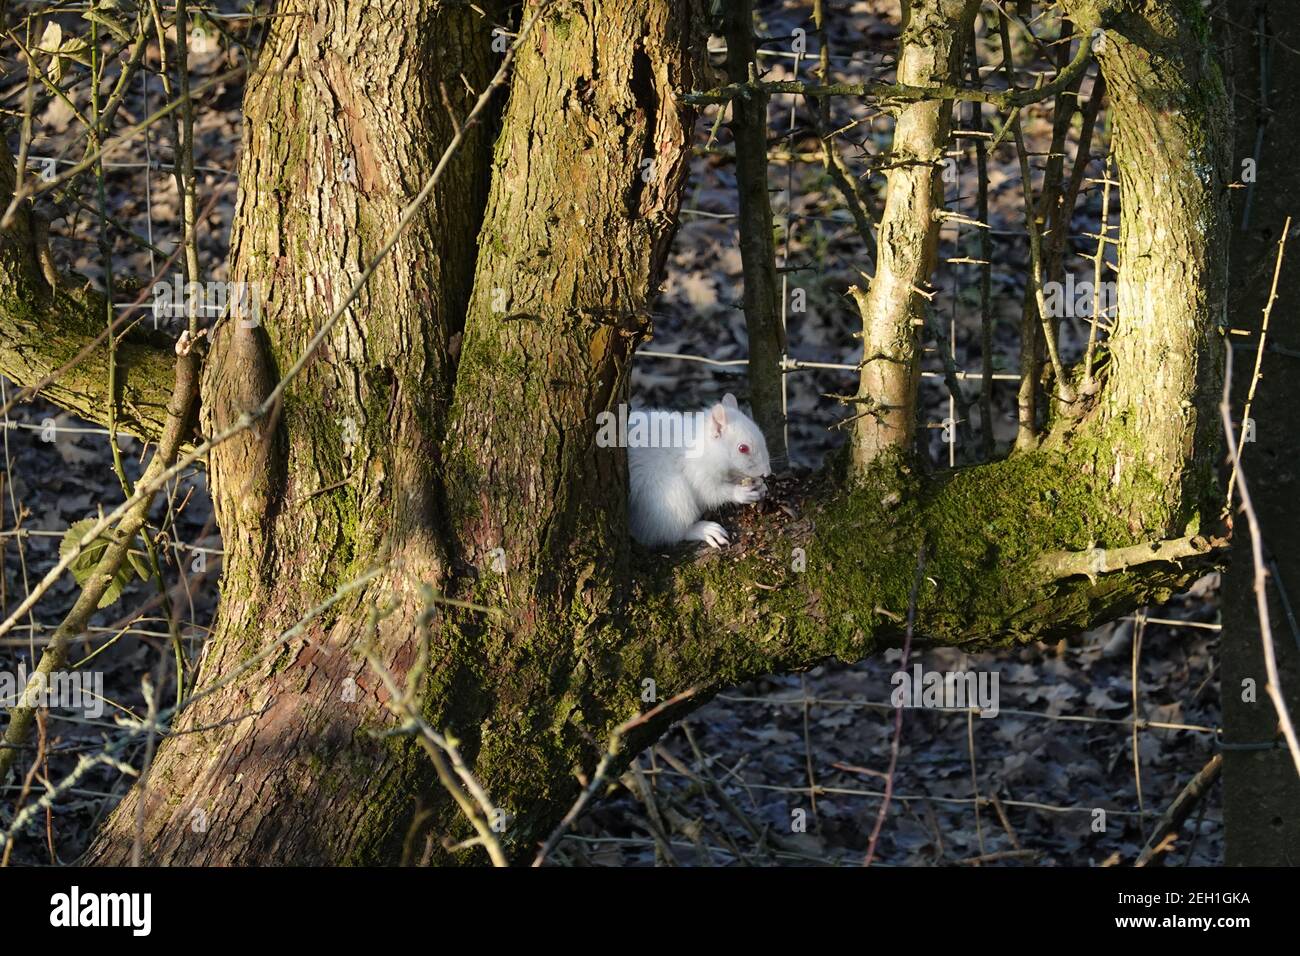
(343, 121)
(1159, 408)
(476, 471)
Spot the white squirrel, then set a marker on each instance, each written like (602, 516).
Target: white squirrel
(671, 487)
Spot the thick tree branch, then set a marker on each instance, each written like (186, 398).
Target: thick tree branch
(1026, 548)
(905, 92)
(53, 341)
(54, 350)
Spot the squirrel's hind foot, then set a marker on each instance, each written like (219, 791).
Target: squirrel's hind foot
(710, 532)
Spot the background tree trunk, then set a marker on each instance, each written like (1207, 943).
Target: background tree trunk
(1261, 804)
(764, 327)
(893, 305)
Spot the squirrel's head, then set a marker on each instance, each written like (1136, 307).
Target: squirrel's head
(733, 438)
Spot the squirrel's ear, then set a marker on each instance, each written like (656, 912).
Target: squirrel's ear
(729, 400)
(717, 420)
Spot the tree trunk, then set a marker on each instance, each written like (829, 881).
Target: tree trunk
(1159, 409)
(343, 121)
(434, 475)
(763, 314)
(894, 302)
(1261, 792)
(372, 464)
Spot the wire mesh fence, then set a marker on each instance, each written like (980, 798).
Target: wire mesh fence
(190, 554)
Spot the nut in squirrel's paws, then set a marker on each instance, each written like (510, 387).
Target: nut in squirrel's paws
(750, 490)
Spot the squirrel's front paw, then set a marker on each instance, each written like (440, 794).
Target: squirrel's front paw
(710, 532)
(748, 494)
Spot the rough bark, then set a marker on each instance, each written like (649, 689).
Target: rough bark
(1159, 409)
(344, 121)
(572, 246)
(578, 265)
(893, 304)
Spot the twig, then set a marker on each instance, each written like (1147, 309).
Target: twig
(179, 408)
(1004, 820)
(1029, 361)
(974, 777)
(999, 857)
(1259, 351)
(1064, 564)
(457, 780)
(1135, 674)
(903, 93)
(1273, 685)
(1089, 383)
(831, 159)
(1179, 810)
(22, 191)
(986, 267)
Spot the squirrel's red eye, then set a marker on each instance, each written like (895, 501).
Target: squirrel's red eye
(744, 449)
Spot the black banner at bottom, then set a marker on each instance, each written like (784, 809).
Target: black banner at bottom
(141, 907)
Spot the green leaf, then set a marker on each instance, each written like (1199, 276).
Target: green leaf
(83, 566)
(60, 50)
(85, 562)
(75, 48)
(51, 39)
(140, 561)
(117, 24)
(115, 586)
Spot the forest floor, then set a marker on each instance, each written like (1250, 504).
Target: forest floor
(783, 771)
